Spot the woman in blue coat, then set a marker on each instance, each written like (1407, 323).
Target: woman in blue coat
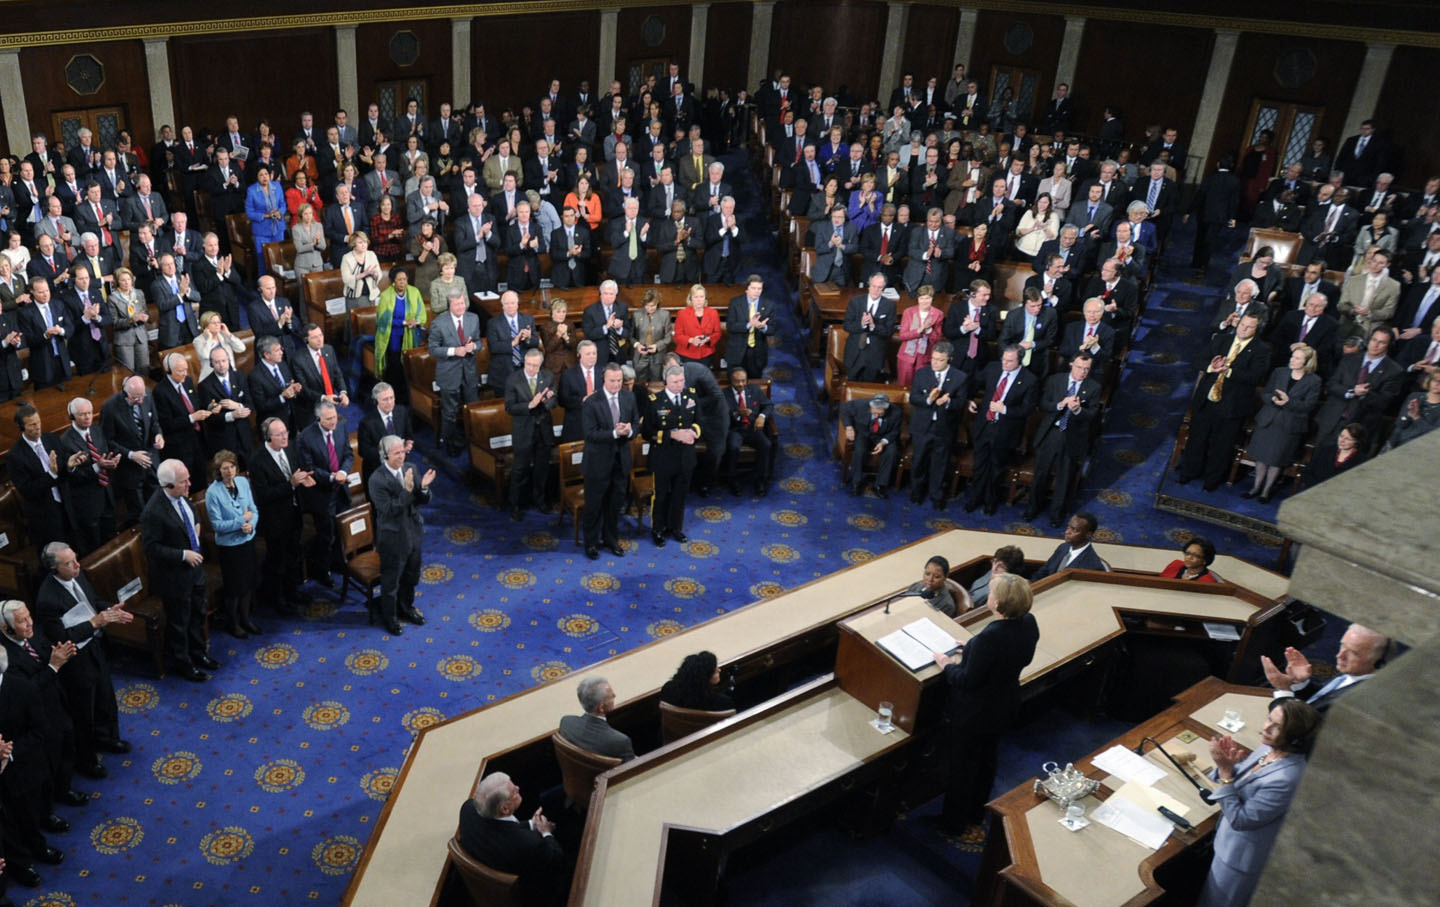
(231, 509)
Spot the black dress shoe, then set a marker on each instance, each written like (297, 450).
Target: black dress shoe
(592, 553)
(1249, 493)
(392, 626)
(679, 536)
(55, 825)
(192, 674)
(51, 855)
(658, 539)
(92, 770)
(23, 873)
(1265, 498)
(205, 662)
(74, 797)
(614, 548)
(408, 614)
(516, 514)
(882, 491)
(972, 506)
(113, 746)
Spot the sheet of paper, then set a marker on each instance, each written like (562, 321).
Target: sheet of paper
(357, 527)
(335, 306)
(904, 647)
(499, 441)
(929, 634)
(1151, 799)
(1122, 762)
(1221, 632)
(81, 613)
(1133, 822)
(129, 590)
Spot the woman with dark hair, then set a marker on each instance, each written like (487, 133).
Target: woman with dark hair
(231, 508)
(399, 317)
(1334, 457)
(1194, 562)
(932, 588)
(1256, 169)
(694, 685)
(1254, 791)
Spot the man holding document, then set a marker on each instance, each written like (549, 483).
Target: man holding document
(984, 681)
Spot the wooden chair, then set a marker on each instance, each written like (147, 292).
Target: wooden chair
(676, 722)
(356, 528)
(487, 435)
(420, 376)
(571, 455)
(578, 770)
(17, 552)
(961, 595)
(320, 287)
(642, 480)
(487, 887)
(835, 338)
(1284, 244)
(362, 339)
(279, 258)
(110, 568)
(242, 241)
(1010, 284)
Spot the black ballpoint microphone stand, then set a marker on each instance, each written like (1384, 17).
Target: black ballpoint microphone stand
(1204, 793)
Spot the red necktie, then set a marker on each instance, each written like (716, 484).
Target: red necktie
(974, 347)
(884, 242)
(28, 648)
(589, 382)
(103, 476)
(104, 230)
(330, 451)
(875, 425)
(189, 407)
(991, 415)
(460, 329)
(744, 419)
(325, 376)
(145, 200)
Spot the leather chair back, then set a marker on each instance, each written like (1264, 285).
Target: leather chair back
(487, 887)
(676, 722)
(578, 770)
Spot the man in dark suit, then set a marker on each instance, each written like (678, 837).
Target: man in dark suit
(883, 247)
(50, 262)
(931, 249)
(576, 383)
(386, 417)
(396, 492)
(454, 338)
(226, 393)
(1060, 112)
(323, 450)
(1033, 331)
(339, 220)
(1361, 156)
(181, 414)
(1119, 296)
(592, 731)
(1418, 308)
(749, 412)
(1223, 400)
(1072, 249)
(1090, 334)
(1020, 187)
(673, 427)
(129, 422)
(1008, 394)
(1363, 651)
(218, 283)
(870, 321)
(273, 387)
(272, 315)
(606, 322)
(145, 206)
(172, 548)
(1310, 326)
(927, 181)
(276, 477)
(477, 239)
(1055, 289)
(529, 399)
(609, 419)
(1299, 288)
(490, 833)
(33, 656)
(1363, 388)
(85, 677)
(35, 464)
(524, 243)
(47, 328)
(1091, 216)
(748, 322)
(177, 301)
(226, 184)
(872, 427)
(723, 240)
(835, 241)
(1129, 253)
(803, 178)
(85, 303)
(937, 399)
(25, 784)
(317, 368)
(570, 252)
(1329, 229)
(144, 251)
(1068, 408)
(1076, 552)
(1216, 203)
(629, 237)
(970, 326)
(180, 241)
(87, 469)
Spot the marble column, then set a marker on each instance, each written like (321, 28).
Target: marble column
(965, 41)
(1069, 51)
(609, 34)
(1367, 88)
(347, 74)
(695, 70)
(1203, 135)
(761, 22)
(12, 98)
(896, 18)
(460, 88)
(162, 97)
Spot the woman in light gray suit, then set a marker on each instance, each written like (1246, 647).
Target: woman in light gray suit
(131, 318)
(309, 239)
(1254, 791)
(1290, 397)
(654, 336)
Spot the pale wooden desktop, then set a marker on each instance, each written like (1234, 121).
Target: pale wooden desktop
(406, 855)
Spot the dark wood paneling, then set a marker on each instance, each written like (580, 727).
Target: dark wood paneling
(727, 46)
(1252, 75)
(126, 84)
(298, 74)
(989, 50)
(514, 57)
(630, 45)
(1406, 114)
(821, 42)
(929, 45)
(373, 63)
(1183, 56)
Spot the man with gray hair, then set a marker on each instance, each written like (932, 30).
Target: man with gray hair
(324, 452)
(592, 731)
(723, 239)
(396, 494)
(226, 393)
(171, 536)
(129, 421)
(386, 417)
(454, 338)
(41, 661)
(491, 833)
(88, 469)
(674, 428)
(873, 429)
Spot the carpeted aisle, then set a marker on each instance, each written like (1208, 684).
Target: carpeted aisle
(263, 785)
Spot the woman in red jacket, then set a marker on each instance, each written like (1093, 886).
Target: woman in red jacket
(697, 329)
(1199, 554)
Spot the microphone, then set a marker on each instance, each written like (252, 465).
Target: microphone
(1179, 766)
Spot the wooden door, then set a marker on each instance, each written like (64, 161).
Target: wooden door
(1025, 83)
(104, 122)
(638, 70)
(1294, 126)
(392, 96)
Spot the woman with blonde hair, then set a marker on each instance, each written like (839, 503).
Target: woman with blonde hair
(559, 339)
(132, 322)
(654, 335)
(1289, 397)
(360, 272)
(448, 280)
(697, 328)
(215, 332)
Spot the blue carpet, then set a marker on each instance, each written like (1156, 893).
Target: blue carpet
(263, 785)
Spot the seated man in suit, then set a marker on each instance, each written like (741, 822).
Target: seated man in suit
(1368, 300)
(490, 832)
(749, 412)
(1120, 296)
(1309, 326)
(172, 549)
(835, 241)
(1076, 552)
(1068, 408)
(872, 427)
(1090, 334)
(1033, 331)
(324, 453)
(870, 321)
(1056, 291)
(1299, 288)
(592, 731)
(1363, 388)
(1363, 651)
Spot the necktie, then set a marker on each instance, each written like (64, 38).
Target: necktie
(189, 524)
(1065, 415)
(1305, 328)
(25, 643)
(634, 240)
(531, 379)
(283, 461)
(1030, 336)
(49, 323)
(615, 410)
(1432, 355)
(884, 241)
(974, 348)
(279, 381)
(460, 330)
(476, 224)
(334, 458)
(139, 422)
(225, 387)
(1153, 195)
(874, 425)
(349, 221)
(180, 308)
(589, 382)
(389, 425)
(106, 238)
(1424, 307)
(101, 475)
(516, 353)
(990, 414)
(1091, 215)
(725, 241)
(1218, 388)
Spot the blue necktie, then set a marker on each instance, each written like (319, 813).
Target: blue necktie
(189, 526)
(225, 385)
(1065, 416)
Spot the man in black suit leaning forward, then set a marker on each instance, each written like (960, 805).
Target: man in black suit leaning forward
(396, 493)
(490, 833)
(172, 547)
(609, 418)
(1067, 411)
(872, 427)
(1224, 399)
(938, 397)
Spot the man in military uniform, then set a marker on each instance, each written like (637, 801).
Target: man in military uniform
(674, 429)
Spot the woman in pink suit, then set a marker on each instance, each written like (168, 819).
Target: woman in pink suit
(920, 330)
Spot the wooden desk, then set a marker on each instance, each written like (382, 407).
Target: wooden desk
(1030, 859)
(405, 858)
(52, 403)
